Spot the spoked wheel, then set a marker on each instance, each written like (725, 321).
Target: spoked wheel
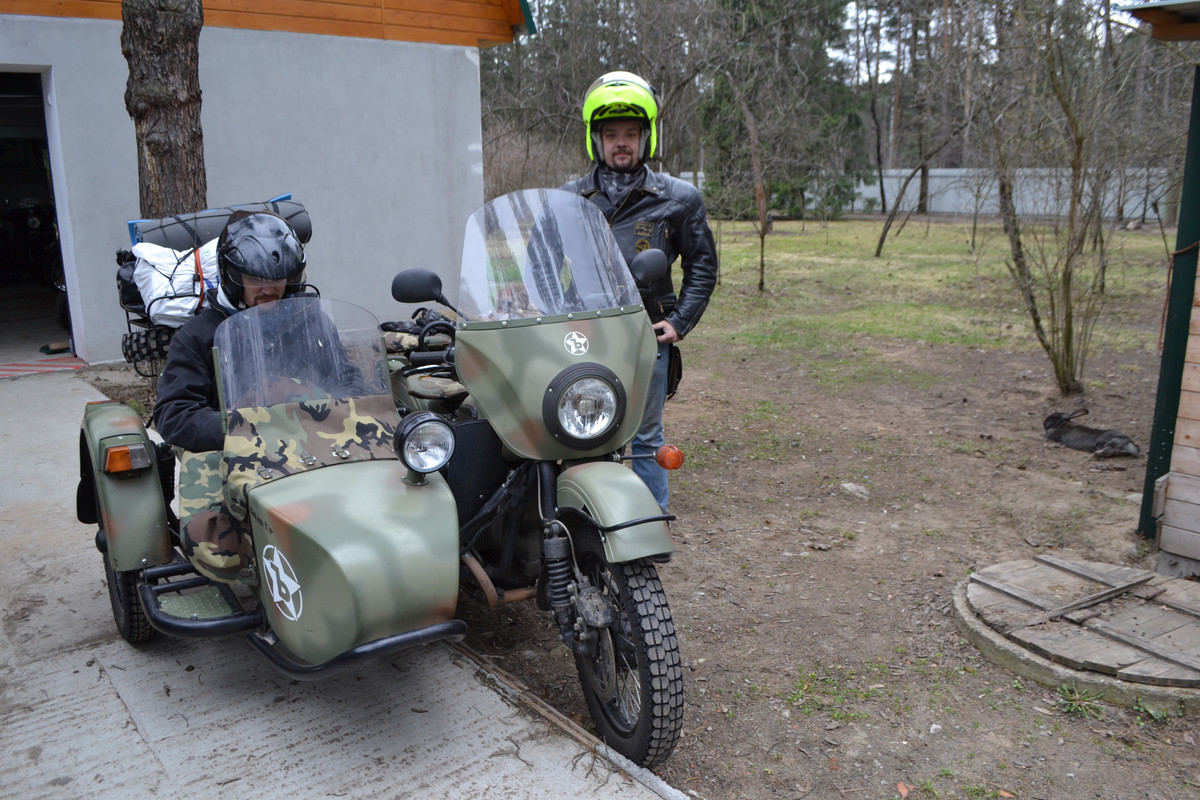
(633, 680)
(126, 606)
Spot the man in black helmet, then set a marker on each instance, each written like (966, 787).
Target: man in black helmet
(646, 209)
(260, 260)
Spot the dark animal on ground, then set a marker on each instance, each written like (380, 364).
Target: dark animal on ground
(1101, 444)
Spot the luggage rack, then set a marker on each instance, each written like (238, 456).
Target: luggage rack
(145, 343)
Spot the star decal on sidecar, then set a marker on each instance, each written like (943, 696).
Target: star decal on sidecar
(281, 580)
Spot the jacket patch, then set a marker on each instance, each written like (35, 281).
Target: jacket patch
(643, 228)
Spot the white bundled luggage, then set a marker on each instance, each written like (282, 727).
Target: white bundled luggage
(172, 282)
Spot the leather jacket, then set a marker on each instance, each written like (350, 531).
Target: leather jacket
(668, 214)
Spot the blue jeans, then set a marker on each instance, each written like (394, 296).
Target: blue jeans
(650, 435)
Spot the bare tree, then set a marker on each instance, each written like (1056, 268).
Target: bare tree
(1055, 117)
(160, 41)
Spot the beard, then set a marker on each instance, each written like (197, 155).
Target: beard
(626, 166)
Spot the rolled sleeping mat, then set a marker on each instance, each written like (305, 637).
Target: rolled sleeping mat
(187, 231)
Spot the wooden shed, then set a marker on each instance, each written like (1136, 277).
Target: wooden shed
(1171, 495)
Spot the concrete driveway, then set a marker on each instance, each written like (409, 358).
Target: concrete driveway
(85, 714)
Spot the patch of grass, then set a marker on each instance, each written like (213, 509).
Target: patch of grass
(827, 296)
(1077, 702)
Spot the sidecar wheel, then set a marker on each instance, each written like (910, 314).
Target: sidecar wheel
(126, 607)
(633, 681)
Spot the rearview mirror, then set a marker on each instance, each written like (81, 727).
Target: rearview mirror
(418, 286)
(648, 266)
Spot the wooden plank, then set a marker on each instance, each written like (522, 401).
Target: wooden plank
(1187, 433)
(1180, 534)
(1181, 595)
(1114, 633)
(1185, 639)
(1189, 405)
(1090, 600)
(1190, 380)
(1079, 648)
(1055, 642)
(84, 9)
(1185, 460)
(1014, 591)
(1182, 515)
(458, 22)
(1183, 487)
(1158, 672)
(996, 609)
(1112, 576)
(1177, 32)
(1144, 619)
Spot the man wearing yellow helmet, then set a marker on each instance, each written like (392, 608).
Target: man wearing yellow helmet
(647, 209)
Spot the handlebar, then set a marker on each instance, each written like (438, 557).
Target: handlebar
(429, 358)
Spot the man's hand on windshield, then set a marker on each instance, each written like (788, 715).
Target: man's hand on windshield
(665, 332)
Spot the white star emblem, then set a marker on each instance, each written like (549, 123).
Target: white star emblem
(281, 580)
(576, 343)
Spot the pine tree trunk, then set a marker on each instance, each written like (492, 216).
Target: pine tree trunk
(160, 40)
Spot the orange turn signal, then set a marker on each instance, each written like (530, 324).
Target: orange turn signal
(126, 458)
(669, 457)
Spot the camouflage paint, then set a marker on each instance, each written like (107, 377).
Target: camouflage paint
(368, 555)
(508, 369)
(612, 493)
(132, 510)
(265, 444)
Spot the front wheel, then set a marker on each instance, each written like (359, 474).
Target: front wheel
(632, 679)
(128, 613)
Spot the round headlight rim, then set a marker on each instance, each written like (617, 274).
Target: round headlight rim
(408, 426)
(566, 378)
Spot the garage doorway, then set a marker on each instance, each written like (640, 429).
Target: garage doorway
(34, 318)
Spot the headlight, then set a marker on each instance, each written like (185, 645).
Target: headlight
(584, 405)
(424, 442)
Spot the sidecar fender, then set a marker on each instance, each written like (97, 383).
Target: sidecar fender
(133, 513)
(611, 494)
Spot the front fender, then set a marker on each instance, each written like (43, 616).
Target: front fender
(612, 494)
(133, 513)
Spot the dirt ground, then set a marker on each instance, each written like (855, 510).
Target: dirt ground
(820, 534)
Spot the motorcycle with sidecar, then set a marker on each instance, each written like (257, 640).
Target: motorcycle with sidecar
(482, 452)
(352, 541)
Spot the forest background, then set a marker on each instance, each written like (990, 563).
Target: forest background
(786, 107)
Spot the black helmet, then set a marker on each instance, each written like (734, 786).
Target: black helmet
(260, 244)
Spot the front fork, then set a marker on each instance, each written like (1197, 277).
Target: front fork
(580, 609)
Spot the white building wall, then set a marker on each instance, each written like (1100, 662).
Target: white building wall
(381, 141)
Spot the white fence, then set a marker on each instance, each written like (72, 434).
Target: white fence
(1134, 193)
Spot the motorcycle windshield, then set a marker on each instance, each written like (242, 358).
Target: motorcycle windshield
(298, 349)
(541, 252)
(304, 386)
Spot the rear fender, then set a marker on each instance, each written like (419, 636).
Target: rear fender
(612, 494)
(133, 512)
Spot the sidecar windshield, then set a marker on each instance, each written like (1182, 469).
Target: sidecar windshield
(299, 349)
(541, 252)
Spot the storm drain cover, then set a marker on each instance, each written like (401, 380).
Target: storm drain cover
(1131, 624)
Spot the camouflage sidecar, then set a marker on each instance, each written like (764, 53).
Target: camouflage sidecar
(323, 506)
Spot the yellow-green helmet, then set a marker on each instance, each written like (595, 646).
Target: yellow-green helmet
(621, 95)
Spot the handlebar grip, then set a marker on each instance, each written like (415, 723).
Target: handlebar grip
(427, 358)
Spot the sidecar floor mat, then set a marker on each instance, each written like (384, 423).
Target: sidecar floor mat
(204, 604)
